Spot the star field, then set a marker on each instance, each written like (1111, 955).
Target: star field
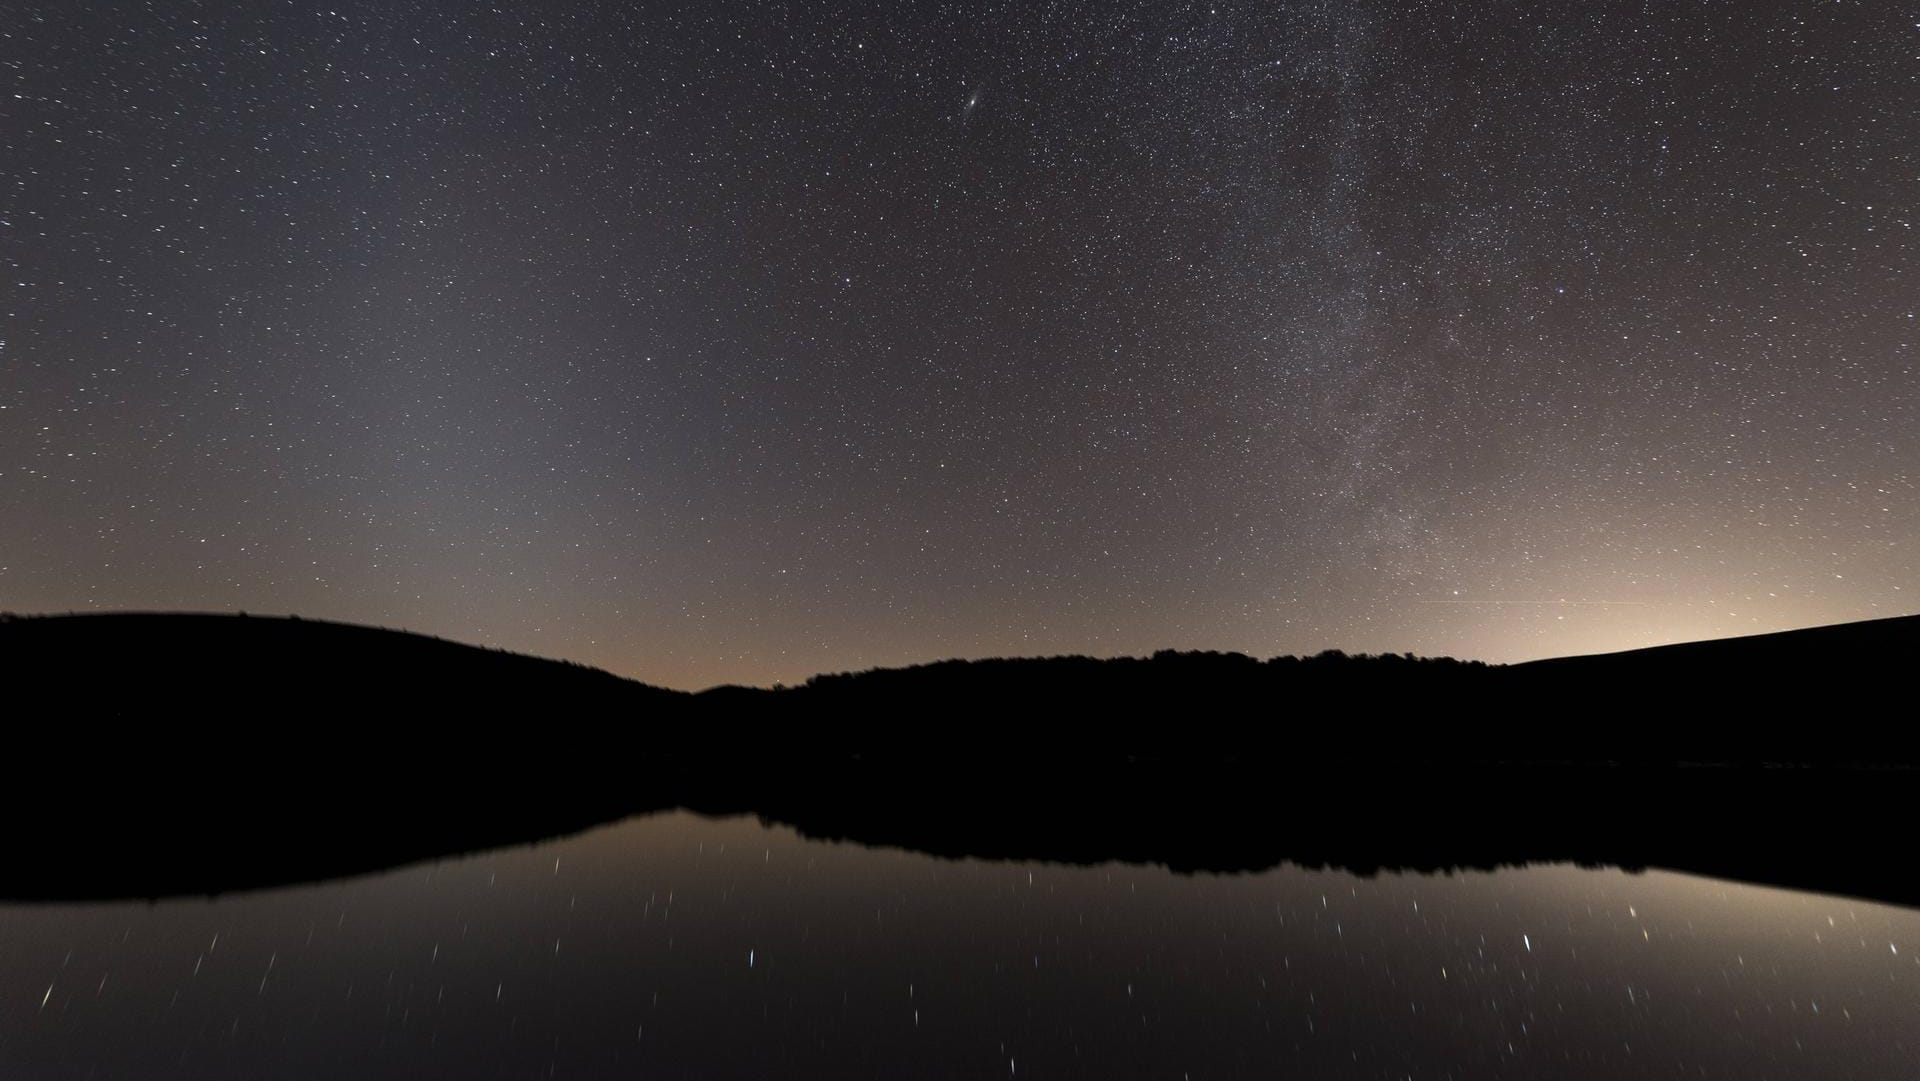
(739, 341)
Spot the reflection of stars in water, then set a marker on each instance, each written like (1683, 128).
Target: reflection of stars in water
(1458, 930)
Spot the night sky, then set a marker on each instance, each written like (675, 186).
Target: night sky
(733, 342)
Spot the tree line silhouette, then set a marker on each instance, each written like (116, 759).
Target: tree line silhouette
(158, 753)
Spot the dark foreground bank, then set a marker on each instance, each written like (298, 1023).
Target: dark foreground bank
(158, 755)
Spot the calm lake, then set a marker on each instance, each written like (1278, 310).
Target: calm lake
(680, 946)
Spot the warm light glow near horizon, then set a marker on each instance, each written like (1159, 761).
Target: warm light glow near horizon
(703, 346)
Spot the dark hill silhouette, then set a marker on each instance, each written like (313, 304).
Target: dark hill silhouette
(132, 665)
(1862, 650)
(1728, 700)
(158, 754)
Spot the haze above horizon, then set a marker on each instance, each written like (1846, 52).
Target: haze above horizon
(735, 343)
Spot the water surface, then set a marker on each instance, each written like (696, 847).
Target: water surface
(680, 946)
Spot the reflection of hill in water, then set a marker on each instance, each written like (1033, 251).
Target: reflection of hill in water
(198, 753)
(683, 947)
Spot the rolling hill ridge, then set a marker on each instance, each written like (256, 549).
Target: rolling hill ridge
(199, 753)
